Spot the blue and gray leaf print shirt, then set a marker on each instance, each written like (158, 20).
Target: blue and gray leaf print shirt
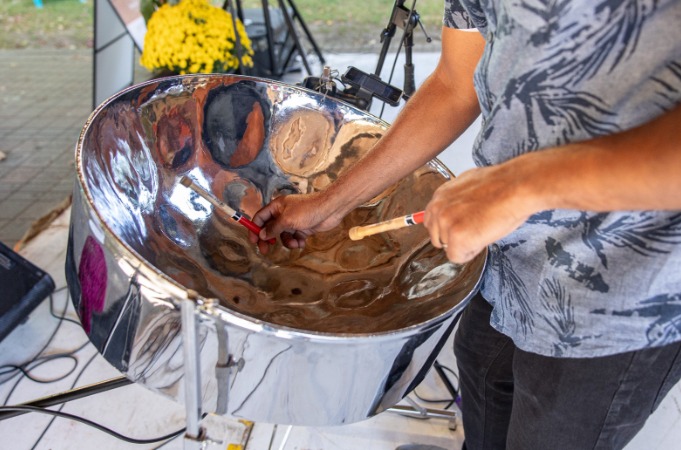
(576, 283)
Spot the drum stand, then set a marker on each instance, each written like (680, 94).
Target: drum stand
(417, 411)
(195, 436)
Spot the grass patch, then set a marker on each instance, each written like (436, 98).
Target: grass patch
(357, 24)
(59, 24)
(368, 14)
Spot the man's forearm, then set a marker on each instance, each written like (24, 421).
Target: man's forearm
(420, 133)
(635, 170)
(441, 109)
(639, 169)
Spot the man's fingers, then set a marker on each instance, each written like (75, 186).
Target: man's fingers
(291, 217)
(460, 253)
(266, 213)
(272, 229)
(430, 221)
(288, 240)
(264, 247)
(253, 237)
(300, 237)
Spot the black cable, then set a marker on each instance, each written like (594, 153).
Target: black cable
(450, 371)
(62, 317)
(91, 423)
(80, 374)
(25, 368)
(454, 374)
(432, 400)
(165, 443)
(59, 413)
(11, 366)
(38, 360)
(450, 401)
(457, 396)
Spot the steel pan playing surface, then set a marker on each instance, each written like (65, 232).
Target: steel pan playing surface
(140, 241)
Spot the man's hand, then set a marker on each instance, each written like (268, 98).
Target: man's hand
(474, 210)
(293, 218)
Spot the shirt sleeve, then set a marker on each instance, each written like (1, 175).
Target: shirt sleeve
(456, 16)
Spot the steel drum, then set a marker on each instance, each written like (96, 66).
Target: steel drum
(331, 334)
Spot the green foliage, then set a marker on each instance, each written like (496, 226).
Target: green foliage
(147, 7)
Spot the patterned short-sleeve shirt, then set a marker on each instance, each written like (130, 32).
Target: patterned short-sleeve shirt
(578, 283)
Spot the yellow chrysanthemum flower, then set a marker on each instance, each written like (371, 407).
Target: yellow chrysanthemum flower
(194, 37)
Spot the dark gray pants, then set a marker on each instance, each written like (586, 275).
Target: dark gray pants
(523, 401)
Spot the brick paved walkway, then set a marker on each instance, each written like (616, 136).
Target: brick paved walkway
(45, 99)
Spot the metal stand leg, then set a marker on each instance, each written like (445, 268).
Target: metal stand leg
(229, 7)
(278, 61)
(407, 20)
(290, 23)
(194, 435)
(303, 25)
(67, 396)
(294, 36)
(417, 411)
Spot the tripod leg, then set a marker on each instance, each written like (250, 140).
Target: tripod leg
(388, 33)
(270, 38)
(237, 39)
(289, 55)
(294, 35)
(239, 10)
(303, 25)
(387, 37)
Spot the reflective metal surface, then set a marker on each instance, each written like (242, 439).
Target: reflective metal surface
(331, 334)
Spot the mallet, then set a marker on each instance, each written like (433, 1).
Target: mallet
(357, 233)
(237, 216)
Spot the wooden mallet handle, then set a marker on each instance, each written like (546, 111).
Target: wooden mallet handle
(357, 233)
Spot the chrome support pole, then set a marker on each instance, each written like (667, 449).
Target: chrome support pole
(192, 376)
(423, 413)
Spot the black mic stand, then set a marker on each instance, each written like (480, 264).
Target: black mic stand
(363, 86)
(405, 19)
